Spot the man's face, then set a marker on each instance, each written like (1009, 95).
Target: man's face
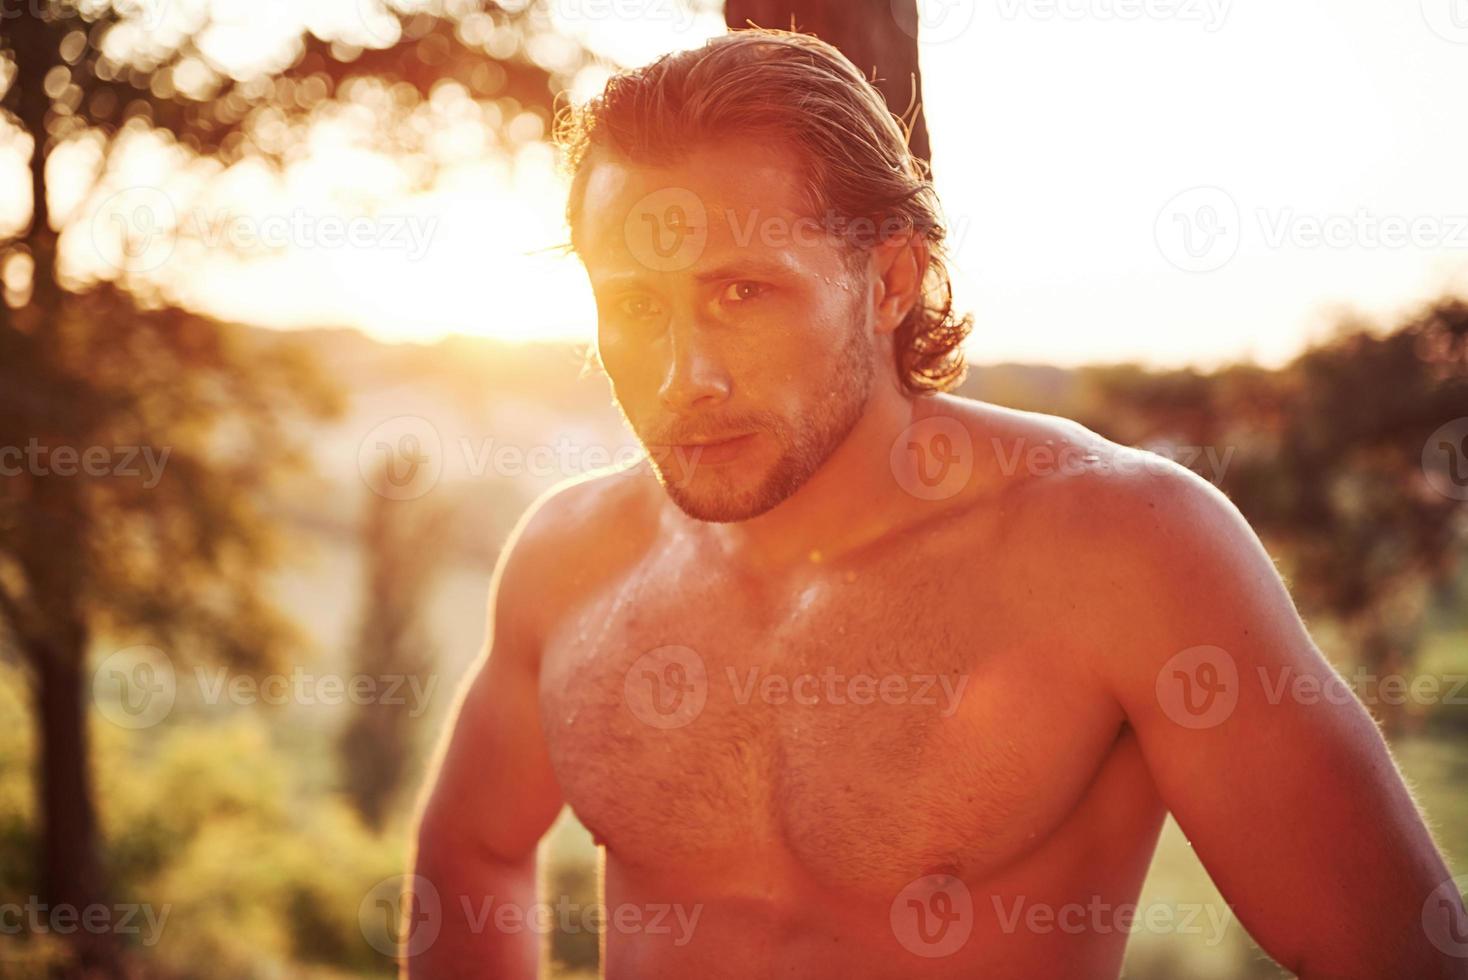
(726, 313)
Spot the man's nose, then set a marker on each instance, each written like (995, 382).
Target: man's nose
(696, 377)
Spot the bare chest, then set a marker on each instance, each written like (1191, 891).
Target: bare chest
(873, 725)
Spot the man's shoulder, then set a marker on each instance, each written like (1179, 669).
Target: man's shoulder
(1067, 493)
(1150, 557)
(578, 533)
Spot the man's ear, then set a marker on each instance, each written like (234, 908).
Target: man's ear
(899, 265)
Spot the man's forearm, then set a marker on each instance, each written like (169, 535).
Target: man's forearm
(483, 911)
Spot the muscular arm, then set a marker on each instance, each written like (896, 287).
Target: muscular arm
(494, 794)
(1278, 777)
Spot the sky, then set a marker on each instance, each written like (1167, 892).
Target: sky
(1164, 181)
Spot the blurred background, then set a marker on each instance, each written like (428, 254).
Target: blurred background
(289, 341)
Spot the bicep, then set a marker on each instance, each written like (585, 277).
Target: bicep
(494, 791)
(1272, 767)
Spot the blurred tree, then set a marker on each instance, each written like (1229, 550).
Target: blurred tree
(1328, 465)
(138, 442)
(106, 362)
(402, 547)
(879, 36)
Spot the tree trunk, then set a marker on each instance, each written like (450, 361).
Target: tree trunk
(56, 642)
(877, 35)
(71, 869)
(35, 51)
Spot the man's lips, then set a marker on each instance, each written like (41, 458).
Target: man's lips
(717, 450)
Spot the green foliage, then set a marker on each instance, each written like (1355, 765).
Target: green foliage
(210, 822)
(167, 554)
(1325, 459)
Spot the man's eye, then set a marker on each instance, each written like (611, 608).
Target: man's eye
(637, 307)
(743, 292)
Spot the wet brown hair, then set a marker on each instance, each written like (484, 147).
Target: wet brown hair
(795, 88)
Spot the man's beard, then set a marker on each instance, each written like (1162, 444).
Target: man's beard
(717, 494)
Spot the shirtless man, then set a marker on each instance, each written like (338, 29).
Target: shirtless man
(850, 676)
